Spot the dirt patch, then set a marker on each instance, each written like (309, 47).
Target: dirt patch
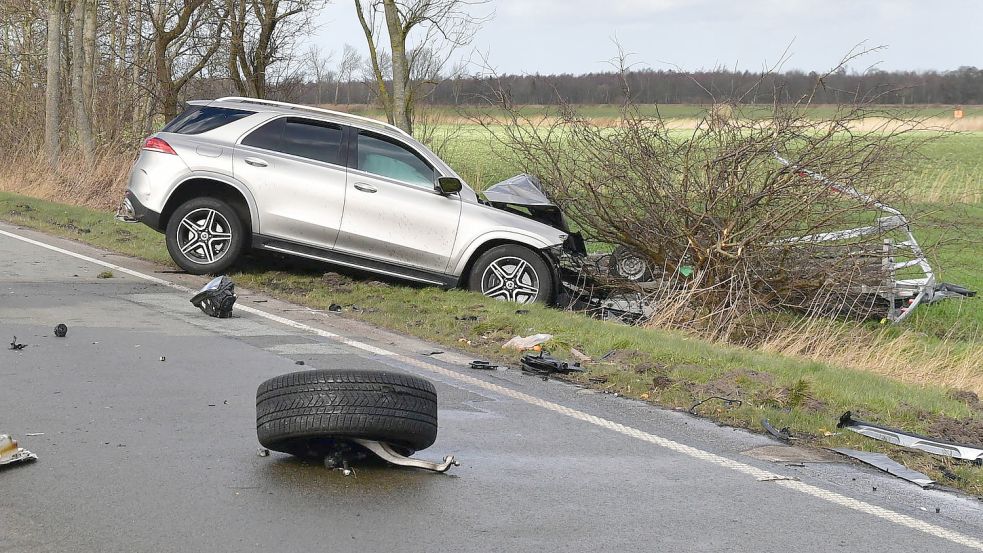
(337, 282)
(964, 431)
(966, 396)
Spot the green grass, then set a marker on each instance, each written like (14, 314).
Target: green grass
(670, 369)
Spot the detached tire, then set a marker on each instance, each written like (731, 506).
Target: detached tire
(307, 413)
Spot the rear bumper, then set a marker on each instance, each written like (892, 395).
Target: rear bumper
(132, 211)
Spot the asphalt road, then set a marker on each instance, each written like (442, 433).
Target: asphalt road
(144, 454)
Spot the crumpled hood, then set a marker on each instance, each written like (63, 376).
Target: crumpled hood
(522, 190)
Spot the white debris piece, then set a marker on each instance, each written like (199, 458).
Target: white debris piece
(529, 342)
(10, 453)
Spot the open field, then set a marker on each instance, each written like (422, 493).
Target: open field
(904, 376)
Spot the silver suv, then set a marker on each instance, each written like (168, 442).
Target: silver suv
(238, 173)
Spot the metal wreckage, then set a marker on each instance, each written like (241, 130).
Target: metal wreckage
(621, 284)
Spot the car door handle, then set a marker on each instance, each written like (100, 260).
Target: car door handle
(366, 187)
(256, 162)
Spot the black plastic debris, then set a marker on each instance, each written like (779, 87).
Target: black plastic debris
(482, 365)
(466, 318)
(784, 434)
(334, 308)
(885, 463)
(430, 352)
(61, 330)
(728, 402)
(15, 346)
(216, 298)
(914, 441)
(544, 365)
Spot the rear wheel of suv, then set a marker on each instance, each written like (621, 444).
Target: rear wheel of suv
(204, 236)
(512, 273)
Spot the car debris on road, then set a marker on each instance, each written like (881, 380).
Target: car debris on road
(784, 434)
(216, 298)
(10, 453)
(525, 343)
(15, 346)
(389, 414)
(886, 464)
(544, 365)
(482, 365)
(61, 330)
(906, 439)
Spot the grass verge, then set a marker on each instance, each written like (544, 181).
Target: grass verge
(669, 369)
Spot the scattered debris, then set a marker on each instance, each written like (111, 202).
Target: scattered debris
(529, 342)
(784, 434)
(777, 478)
(580, 356)
(162, 359)
(61, 330)
(885, 463)
(334, 308)
(34, 434)
(914, 441)
(263, 452)
(466, 318)
(15, 346)
(598, 379)
(482, 365)
(260, 301)
(105, 274)
(431, 352)
(727, 402)
(544, 365)
(521, 311)
(298, 362)
(10, 453)
(216, 298)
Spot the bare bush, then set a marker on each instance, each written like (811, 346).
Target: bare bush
(730, 230)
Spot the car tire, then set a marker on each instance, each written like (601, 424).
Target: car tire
(628, 265)
(513, 273)
(205, 236)
(308, 413)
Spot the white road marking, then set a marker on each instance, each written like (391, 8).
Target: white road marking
(695, 453)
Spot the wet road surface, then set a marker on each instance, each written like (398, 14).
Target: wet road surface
(140, 454)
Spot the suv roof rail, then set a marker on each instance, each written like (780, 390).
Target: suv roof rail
(245, 100)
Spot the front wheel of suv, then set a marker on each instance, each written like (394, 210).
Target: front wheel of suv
(204, 236)
(512, 273)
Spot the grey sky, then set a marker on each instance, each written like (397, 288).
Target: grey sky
(575, 36)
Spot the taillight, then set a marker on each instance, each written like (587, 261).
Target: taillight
(154, 144)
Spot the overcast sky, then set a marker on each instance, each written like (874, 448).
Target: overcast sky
(575, 36)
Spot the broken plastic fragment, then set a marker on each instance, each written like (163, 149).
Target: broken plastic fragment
(10, 453)
(15, 346)
(914, 441)
(544, 365)
(216, 298)
(482, 365)
(885, 463)
(529, 342)
(61, 330)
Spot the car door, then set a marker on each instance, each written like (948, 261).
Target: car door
(295, 168)
(392, 212)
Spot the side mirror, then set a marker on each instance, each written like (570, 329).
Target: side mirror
(448, 185)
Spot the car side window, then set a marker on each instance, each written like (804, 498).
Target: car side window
(317, 140)
(388, 159)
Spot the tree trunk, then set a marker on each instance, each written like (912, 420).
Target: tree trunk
(89, 47)
(83, 126)
(52, 106)
(401, 69)
(384, 98)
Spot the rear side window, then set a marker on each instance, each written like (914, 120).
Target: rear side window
(199, 119)
(315, 140)
(388, 159)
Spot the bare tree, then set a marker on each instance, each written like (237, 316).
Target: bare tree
(350, 62)
(444, 26)
(186, 34)
(81, 69)
(318, 62)
(52, 110)
(263, 33)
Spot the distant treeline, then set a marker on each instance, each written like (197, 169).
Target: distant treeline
(960, 86)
